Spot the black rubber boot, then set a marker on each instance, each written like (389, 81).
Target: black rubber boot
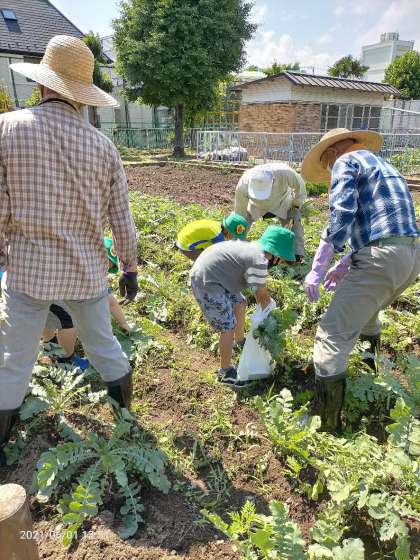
(330, 399)
(373, 348)
(7, 421)
(121, 390)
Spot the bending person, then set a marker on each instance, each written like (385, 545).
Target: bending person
(372, 209)
(273, 190)
(220, 274)
(200, 234)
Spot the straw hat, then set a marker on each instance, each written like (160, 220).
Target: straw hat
(312, 169)
(67, 68)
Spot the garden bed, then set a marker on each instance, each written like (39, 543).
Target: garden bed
(219, 447)
(209, 187)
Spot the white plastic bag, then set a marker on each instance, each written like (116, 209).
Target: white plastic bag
(255, 362)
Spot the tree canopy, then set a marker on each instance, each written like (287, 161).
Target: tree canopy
(100, 78)
(276, 68)
(175, 52)
(348, 67)
(404, 74)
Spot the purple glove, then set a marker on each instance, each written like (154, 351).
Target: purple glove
(322, 259)
(336, 273)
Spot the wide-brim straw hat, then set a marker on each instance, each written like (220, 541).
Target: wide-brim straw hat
(67, 68)
(312, 168)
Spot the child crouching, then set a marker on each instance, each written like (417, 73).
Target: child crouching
(218, 277)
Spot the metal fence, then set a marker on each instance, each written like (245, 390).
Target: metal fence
(258, 147)
(149, 138)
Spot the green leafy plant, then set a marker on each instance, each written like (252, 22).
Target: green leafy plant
(34, 98)
(277, 537)
(6, 103)
(358, 473)
(100, 466)
(271, 332)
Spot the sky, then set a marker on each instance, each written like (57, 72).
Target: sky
(313, 32)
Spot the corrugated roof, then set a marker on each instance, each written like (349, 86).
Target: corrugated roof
(37, 22)
(300, 79)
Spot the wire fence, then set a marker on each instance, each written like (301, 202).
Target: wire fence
(256, 147)
(149, 138)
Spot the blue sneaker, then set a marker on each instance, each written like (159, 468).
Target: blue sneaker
(80, 363)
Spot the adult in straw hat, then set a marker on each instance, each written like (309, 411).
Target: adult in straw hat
(371, 209)
(273, 190)
(61, 181)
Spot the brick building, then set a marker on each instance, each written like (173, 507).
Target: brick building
(296, 102)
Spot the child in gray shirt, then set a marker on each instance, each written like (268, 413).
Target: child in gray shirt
(219, 275)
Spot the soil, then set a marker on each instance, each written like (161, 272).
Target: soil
(206, 186)
(209, 187)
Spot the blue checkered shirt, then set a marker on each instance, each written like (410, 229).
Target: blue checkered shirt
(369, 200)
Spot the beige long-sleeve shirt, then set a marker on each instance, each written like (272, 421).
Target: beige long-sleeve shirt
(288, 191)
(61, 182)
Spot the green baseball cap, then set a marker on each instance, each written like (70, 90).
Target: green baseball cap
(279, 241)
(112, 257)
(236, 225)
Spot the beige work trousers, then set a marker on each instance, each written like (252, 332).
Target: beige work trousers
(377, 276)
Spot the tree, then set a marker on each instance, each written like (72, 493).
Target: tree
(174, 52)
(404, 74)
(348, 67)
(101, 79)
(277, 68)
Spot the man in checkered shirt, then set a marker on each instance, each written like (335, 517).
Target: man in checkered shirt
(61, 183)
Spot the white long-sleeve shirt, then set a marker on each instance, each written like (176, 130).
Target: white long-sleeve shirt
(288, 191)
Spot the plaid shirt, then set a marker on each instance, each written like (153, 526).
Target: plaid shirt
(369, 200)
(61, 183)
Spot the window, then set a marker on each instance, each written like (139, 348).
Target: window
(11, 21)
(9, 15)
(375, 118)
(354, 117)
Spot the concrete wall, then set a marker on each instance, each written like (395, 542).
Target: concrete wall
(22, 88)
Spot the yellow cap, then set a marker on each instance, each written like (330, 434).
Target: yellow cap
(199, 235)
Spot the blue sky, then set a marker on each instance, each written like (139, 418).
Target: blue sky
(313, 32)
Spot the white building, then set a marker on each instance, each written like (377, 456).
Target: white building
(380, 55)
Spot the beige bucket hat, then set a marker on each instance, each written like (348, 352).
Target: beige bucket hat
(312, 169)
(67, 68)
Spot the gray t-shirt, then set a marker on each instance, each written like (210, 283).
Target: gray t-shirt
(234, 265)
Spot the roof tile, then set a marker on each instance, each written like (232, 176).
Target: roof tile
(38, 22)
